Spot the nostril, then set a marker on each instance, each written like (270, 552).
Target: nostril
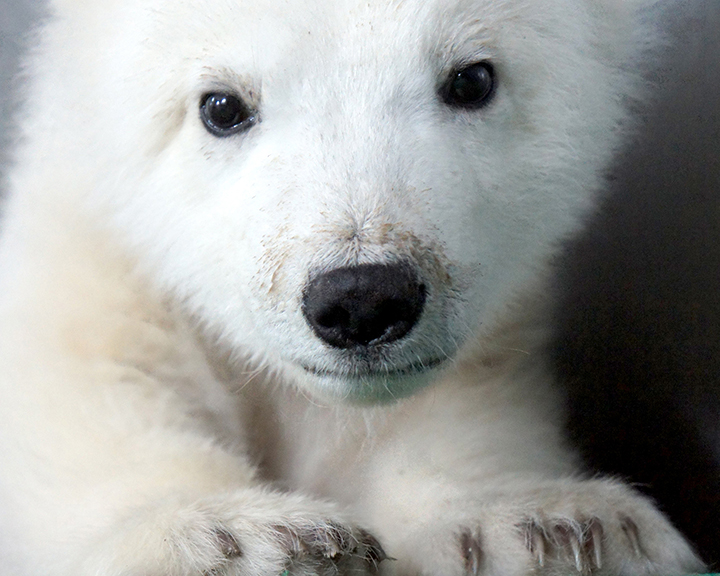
(334, 317)
(364, 305)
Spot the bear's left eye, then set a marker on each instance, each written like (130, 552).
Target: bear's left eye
(471, 87)
(225, 114)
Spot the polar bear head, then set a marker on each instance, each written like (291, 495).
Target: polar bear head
(347, 192)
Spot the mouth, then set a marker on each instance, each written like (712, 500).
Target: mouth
(377, 372)
(374, 321)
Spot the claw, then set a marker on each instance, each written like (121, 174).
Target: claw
(565, 537)
(575, 542)
(594, 537)
(332, 540)
(228, 545)
(374, 553)
(290, 540)
(632, 533)
(577, 555)
(472, 553)
(538, 544)
(535, 541)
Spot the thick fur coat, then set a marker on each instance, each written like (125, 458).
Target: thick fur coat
(260, 290)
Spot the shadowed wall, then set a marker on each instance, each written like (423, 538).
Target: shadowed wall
(638, 342)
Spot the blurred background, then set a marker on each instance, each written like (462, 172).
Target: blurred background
(16, 18)
(638, 312)
(637, 343)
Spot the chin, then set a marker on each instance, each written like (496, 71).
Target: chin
(382, 384)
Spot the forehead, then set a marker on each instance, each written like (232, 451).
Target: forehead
(261, 34)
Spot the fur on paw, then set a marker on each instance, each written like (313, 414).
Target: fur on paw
(593, 528)
(581, 542)
(566, 541)
(267, 534)
(329, 547)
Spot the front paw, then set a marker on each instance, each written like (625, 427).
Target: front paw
(253, 533)
(563, 528)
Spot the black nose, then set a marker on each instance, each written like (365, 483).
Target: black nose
(365, 304)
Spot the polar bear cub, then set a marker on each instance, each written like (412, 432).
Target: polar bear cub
(259, 290)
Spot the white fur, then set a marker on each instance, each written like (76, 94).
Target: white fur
(155, 402)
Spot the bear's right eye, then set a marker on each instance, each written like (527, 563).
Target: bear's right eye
(471, 87)
(225, 114)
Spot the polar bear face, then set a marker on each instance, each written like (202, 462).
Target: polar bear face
(347, 192)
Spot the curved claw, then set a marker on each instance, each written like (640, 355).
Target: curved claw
(331, 541)
(578, 543)
(228, 544)
(535, 541)
(594, 538)
(374, 553)
(632, 533)
(471, 551)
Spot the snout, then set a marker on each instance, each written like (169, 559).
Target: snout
(364, 305)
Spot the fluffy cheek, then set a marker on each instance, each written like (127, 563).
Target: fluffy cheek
(310, 244)
(239, 236)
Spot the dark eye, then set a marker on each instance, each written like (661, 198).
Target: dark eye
(471, 87)
(224, 114)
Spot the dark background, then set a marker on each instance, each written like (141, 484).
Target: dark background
(638, 314)
(638, 318)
